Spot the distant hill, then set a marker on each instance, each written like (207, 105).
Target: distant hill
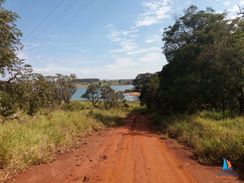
(118, 82)
(87, 81)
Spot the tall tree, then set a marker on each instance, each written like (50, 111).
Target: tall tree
(204, 50)
(93, 94)
(140, 80)
(10, 43)
(12, 68)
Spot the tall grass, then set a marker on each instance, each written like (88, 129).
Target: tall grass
(211, 135)
(33, 140)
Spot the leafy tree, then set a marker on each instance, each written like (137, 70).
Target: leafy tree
(93, 94)
(20, 88)
(64, 87)
(12, 68)
(104, 93)
(204, 51)
(140, 80)
(149, 91)
(111, 98)
(10, 41)
(203, 63)
(43, 92)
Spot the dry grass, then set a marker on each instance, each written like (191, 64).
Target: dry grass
(211, 135)
(34, 140)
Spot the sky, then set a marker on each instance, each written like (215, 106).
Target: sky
(106, 39)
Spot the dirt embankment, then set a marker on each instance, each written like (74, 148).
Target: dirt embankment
(134, 94)
(128, 154)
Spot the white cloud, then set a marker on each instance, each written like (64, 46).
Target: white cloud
(152, 57)
(124, 38)
(241, 2)
(153, 39)
(118, 35)
(124, 67)
(151, 60)
(235, 10)
(144, 50)
(128, 45)
(154, 12)
(226, 3)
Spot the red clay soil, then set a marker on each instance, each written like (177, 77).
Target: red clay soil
(128, 154)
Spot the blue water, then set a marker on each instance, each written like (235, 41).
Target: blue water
(80, 91)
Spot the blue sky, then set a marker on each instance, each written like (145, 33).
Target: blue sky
(107, 39)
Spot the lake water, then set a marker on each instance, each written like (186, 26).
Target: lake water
(81, 90)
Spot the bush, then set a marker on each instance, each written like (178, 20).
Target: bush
(73, 106)
(34, 141)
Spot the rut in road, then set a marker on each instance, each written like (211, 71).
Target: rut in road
(128, 154)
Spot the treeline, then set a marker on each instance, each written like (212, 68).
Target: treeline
(86, 80)
(20, 87)
(31, 92)
(205, 69)
(98, 81)
(118, 82)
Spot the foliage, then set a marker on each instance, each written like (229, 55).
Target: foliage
(103, 93)
(32, 92)
(10, 41)
(63, 86)
(140, 80)
(20, 88)
(93, 94)
(149, 91)
(205, 68)
(111, 98)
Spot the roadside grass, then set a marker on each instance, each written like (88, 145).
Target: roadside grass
(34, 140)
(211, 135)
(114, 116)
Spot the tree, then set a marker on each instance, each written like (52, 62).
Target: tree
(205, 68)
(140, 80)
(202, 54)
(37, 92)
(20, 88)
(63, 87)
(12, 68)
(238, 54)
(93, 94)
(104, 93)
(149, 91)
(111, 98)
(10, 43)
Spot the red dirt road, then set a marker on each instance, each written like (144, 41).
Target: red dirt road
(128, 154)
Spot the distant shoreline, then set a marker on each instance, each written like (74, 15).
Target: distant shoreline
(134, 94)
(86, 85)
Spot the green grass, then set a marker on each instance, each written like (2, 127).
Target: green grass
(211, 135)
(34, 140)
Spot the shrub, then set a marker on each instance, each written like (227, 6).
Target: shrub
(73, 106)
